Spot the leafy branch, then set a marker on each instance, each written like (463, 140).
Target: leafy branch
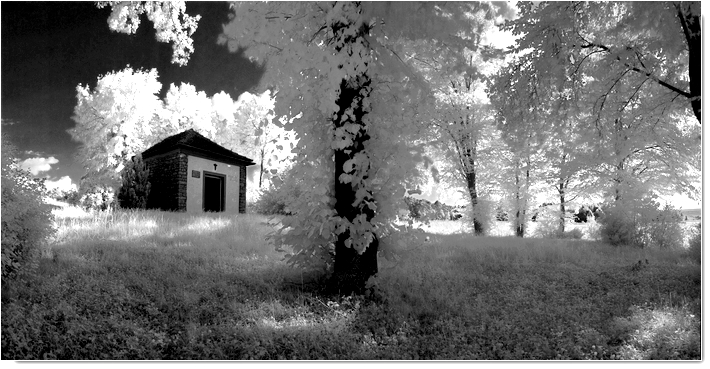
(634, 68)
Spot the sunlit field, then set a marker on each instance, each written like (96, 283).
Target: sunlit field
(159, 285)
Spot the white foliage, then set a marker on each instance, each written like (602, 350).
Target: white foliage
(186, 107)
(123, 116)
(115, 117)
(171, 23)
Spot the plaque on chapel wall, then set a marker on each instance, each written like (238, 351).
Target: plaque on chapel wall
(195, 174)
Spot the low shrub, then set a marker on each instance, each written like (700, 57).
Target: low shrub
(642, 224)
(548, 226)
(98, 197)
(70, 197)
(26, 219)
(621, 226)
(424, 210)
(276, 199)
(695, 245)
(665, 230)
(554, 232)
(575, 234)
(481, 217)
(501, 213)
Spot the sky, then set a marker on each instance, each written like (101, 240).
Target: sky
(48, 48)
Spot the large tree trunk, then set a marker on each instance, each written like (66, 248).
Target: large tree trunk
(351, 269)
(689, 16)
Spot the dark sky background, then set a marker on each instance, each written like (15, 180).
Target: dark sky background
(48, 48)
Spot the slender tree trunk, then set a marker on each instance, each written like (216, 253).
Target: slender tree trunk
(261, 167)
(519, 211)
(561, 189)
(351, 269)
(619, 175)
(562, 208)
(521, 198)
(469, 159)
(471, 183)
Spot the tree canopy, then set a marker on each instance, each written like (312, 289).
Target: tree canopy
(344, 73)
(593, 47)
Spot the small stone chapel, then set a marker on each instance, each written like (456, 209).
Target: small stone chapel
(189, 172)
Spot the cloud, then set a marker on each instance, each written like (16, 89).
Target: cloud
(63, 184)
(36, 165)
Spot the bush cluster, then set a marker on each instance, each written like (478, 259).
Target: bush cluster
(98, 197)
(275, 200)
(548, 226)
(587, 213)
(135, 186)
(422, 209)
(695, 246)
(642, 224)
(26, 218)
(483, 215)
(501, 213)
(281, 193)
(70, 197)
(573, 234)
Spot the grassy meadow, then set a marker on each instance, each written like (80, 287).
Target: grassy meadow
(173, 286)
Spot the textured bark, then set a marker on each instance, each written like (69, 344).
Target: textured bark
(521, 194)
(467, 151)
(519, 215)
(690, 21)
(473, 193)
(351, 269)
(562, 211)
(562, 185)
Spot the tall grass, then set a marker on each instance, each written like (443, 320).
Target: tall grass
(158, 285)
(511, 298)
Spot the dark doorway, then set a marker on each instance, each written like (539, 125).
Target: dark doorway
(213, 192)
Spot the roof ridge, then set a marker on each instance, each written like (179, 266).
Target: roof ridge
(192, 139)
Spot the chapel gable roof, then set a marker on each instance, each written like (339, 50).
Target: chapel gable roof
(191, 142)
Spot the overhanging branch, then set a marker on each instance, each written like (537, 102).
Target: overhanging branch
(641, 71)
